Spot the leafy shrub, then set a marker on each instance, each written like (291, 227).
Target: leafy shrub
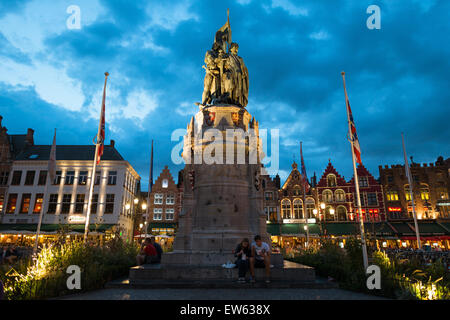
(44, 275)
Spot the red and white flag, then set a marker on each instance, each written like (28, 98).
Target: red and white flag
(101, 129)
(353, 135)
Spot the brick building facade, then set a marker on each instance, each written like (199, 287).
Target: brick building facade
(431, 183)
(164, 205)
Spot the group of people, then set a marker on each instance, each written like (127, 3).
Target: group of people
(9, 254)
(251, 256)
(151, 252)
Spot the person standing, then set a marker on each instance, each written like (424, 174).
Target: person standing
(243, 254)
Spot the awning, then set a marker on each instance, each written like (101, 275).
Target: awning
(431, 228)
(165, 225)
(340, 229)
(273, 229)
(53, 228)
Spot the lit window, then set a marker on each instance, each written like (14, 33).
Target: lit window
(424, 192)
(165, 183)
(310, 206)
(26, 198)
(286, 209)
(327, 196)
(82, 178)
(392, 195)
(38, 203)
(298, 209)
(442, 193)
(407, 193)
(340, 195)
(12, 203)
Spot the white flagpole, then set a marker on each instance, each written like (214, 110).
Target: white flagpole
(44, 196)
(150, 186)
(355, 173)
(408, 174)
(304, 198)
(94, 166)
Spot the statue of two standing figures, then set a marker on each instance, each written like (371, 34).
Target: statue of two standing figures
(226, 78)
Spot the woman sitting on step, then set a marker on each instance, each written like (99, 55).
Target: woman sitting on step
(243, 254)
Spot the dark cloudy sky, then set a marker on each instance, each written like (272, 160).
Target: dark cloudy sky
(397, 77)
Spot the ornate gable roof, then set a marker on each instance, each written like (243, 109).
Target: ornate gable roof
(362, 171)
(165, 174)
(340, 181)
(294, 178)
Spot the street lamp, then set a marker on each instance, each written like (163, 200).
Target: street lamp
(144, 206)
(136, 200)
(127, 206)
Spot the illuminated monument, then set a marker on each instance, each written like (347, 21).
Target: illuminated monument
(222, 200)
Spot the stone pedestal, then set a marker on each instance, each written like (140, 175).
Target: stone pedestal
(223, 198)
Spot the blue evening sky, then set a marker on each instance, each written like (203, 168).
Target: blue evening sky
(397, 77)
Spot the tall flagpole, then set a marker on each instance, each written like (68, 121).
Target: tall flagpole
(98, 142)
(150, 186)
(47, 182)
(408, 174)
(304, 199)
(355, 173)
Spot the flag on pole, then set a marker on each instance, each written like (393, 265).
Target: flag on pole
(305, 178)
(101, 135)
(52, 160)
(354, 136)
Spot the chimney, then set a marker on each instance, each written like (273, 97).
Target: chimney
(1, 118)
(112, 143)
(30, 138)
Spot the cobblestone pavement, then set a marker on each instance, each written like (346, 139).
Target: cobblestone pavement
(221, 294)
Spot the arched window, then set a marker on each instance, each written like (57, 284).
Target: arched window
(339, 195)
(342, 213)
(298, 209)
(424, 192)
(297, 190)
(328, 215)
(310, 206)
(407, 194)
(165, 183)
(327, 196)
(331, 180)
(286, 209)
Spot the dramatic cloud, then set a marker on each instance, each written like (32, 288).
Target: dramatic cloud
(397, 77)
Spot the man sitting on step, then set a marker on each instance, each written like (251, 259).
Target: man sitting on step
(148, 253)
(260, 257)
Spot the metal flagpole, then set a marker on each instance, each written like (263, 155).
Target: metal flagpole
(408, 174)
(150, 186)
(98, 141)
(355, 173)
(48, 180)
(304, 199)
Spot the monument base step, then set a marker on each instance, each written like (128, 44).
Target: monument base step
(213, 276)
